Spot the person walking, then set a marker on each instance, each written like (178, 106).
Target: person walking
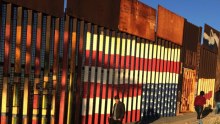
(199, 102)
(118, 112)
(217, 100)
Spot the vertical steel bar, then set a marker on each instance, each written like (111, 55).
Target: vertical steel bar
(23, 62)
(2, 51)
(42, 69)
(11, 67)
(32, 68)
(49, 84)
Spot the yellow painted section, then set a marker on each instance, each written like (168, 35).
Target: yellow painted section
(207, 85)
(5, 79)
(101, 39)
(133, 46)
(118, 44)
(107, 40)
(123, 45)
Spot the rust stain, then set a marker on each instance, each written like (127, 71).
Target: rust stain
(130, 16)
(51, 7)
(137, 18)
(170, 26)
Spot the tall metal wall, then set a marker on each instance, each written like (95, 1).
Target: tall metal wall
(33, 66)
(67, 70)
(63, 71)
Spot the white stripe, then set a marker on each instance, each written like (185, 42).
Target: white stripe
(158, 52)
(116, 76)
(133, 47)
(153, 77)
(157, 77)
(155, 51)
(162, 53)
(142, 50)
(128, 47)
(121, 76)
(150, 51)
(176, 55)
(178, 60)
(140, 76)
(145, 78)
(161, 77)
(165, 52)
(113, 44)
(88, 41)
(137, 51)
(107, 42)
(123, 46)
(134, 103)
(136, 77)
(86, 74)
(95, 38)
(146, 51)
(171, 54)
(118, 44)
(104, 76)
(110, 76)
(99, 75)
(173, 78)
(148, 76)
(131, 76)
(101, 42)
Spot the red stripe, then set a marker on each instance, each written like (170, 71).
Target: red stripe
(35, 102)
(110, 88)
(28, 49)
(55, 55)
(38, 44)
(151, 63)
(64, 76)
(3, 120)
(34, 121)
(7, 47)
(174, 67)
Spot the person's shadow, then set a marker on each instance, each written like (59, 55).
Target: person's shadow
(207, 111)
(149, 117)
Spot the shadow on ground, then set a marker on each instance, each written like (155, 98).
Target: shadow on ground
(149, 117)
(206, 111)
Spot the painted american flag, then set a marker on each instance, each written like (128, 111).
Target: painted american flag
(112, 66)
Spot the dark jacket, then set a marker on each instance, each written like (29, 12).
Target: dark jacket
(120, 111)
(217, 96)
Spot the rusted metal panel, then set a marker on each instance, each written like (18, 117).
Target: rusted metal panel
(208, 63)
(51, 7)
(211, 38)
(188, 90)
(170, 25)
(191, 38)
(137, 18)
(217, 84)
(102, 12)
(130, 16)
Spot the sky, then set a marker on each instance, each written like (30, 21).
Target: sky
(197, 12)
